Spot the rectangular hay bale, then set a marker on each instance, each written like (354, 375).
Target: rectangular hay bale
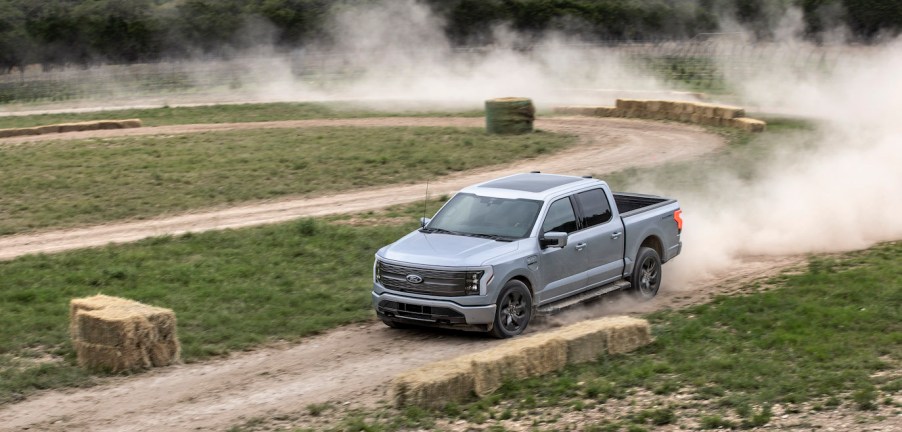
(111, 327)
(728, 112)
(49, 129)
(434, 385)
(130, 123)
(139, 335)
(626, 334)
(520, 358)
(109, 358)
(96, 302)
(623, 104)
(605, 111)
(585, 341)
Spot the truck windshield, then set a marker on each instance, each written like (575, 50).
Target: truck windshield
(479, 216)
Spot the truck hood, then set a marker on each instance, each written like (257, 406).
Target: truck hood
(446, 249)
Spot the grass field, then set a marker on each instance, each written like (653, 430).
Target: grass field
(231, 290)
(68, 183)
(829, 337)
(208, 279)
(223, 114)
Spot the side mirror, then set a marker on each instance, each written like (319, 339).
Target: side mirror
(424, 221)
(553, 239)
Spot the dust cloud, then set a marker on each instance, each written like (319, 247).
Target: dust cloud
(838, 188)
(392, 53)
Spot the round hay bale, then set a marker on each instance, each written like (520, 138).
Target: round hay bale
(511, 115)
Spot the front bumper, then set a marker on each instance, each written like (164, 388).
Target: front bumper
(431, 312)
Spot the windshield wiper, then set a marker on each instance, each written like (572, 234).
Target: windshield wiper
(489, 236)
(438, 231)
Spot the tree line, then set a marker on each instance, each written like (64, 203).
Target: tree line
(83, 32)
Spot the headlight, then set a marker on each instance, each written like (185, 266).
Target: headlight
(471, 285)
(377, 272)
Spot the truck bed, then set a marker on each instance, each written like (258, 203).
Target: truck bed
(629, 204)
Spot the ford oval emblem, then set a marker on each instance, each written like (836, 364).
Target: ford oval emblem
(414, 278)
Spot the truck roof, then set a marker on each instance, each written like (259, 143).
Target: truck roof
(533, 185)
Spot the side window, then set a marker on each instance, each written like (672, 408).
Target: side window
(595, 207)
(560, 217)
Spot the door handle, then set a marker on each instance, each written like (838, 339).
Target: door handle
(616, 234)
(580, 246)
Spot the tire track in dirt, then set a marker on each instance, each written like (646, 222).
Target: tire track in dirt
(351, 364)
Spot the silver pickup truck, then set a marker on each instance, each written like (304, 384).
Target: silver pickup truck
(500, 252)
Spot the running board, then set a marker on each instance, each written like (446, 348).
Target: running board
(553, 308)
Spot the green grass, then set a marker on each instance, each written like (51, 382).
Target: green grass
(69, 183)
(223, 114)
(231, 290)
(821, 335)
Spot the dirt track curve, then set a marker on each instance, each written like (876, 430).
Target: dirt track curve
(606, 145)
(354, 363)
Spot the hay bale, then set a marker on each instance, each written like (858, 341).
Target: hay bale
(626, 334)
(585, 341)
(749, 124)
(9, 133)
(71, 127)
(623, 104)
(107, 124)
(484, 372)
(604, 111)
(49, 129)
(689, 107)
(509, 115)
(521, 358)
(122, 334)
(435, 384)
(96, 302)
(726, 112)
(111, 327)
(130, 123)
(108, 358)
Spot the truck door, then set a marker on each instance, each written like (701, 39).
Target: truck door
(563, 270)
(604, 237)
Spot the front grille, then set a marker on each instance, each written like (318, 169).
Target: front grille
(420, 313)
(446, 283)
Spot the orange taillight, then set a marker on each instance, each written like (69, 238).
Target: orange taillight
(678, 217)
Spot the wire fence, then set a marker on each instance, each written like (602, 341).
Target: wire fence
(700, 65)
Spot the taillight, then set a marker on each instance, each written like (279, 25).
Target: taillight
(678, 217)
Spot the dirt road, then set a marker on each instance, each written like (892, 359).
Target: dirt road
(350, 364)
(606, 145)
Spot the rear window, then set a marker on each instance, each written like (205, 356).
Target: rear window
(595, 206)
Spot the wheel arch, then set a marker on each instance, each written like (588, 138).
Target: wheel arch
(653, 242)
(526, 282)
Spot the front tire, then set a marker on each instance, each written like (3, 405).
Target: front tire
(646, 278)
(513, 311)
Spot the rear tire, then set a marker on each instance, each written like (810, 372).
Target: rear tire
(646, 278)
(513, 311)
